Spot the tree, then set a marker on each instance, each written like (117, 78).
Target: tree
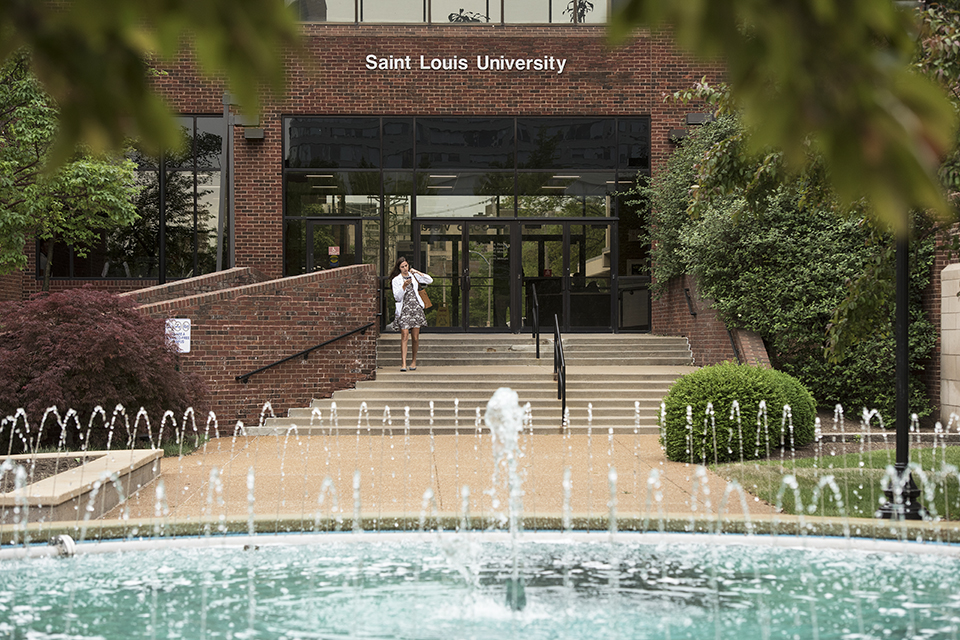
(94, 57)
(86, 195)
(834, 77)
(81, 349)
(775, 255)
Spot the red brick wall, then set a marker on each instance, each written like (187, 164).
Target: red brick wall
(709, 340)
(11, 287)
(751, 348)
(235, 331)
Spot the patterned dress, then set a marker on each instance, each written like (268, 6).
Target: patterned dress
(411, 313)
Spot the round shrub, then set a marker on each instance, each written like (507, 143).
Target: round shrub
(80, 349)
(713, 431)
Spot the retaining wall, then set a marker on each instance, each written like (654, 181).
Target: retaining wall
(237, 330)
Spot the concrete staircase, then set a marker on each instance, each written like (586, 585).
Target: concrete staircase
(460, 372)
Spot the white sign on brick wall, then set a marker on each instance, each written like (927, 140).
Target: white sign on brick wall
(178, 333)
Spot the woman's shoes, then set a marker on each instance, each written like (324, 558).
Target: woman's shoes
(403, 368)
(413, 368)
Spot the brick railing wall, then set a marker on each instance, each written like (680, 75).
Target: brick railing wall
(230, 278)
(237, 330)
(709, 339)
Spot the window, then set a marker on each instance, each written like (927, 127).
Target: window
(179, 206)
(454, 11)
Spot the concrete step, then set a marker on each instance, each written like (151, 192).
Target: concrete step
(512, 349)
(607, 375)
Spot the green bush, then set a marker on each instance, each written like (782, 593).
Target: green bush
(711, 431)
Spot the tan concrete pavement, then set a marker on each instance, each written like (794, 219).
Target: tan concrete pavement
(305, 476)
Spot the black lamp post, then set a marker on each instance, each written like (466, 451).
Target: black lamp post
(903, 496)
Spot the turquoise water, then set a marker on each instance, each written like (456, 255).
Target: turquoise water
(456, 588)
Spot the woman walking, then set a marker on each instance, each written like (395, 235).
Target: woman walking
(409, 317)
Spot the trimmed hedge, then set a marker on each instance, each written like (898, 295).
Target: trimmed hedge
(716, 435)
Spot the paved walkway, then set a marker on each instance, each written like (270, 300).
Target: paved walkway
(290, 474)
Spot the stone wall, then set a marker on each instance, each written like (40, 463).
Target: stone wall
(949, 395)
(237, 330)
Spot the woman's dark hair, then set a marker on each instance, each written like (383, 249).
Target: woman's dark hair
(396, 267)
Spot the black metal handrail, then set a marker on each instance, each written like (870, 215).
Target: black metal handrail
(559, 368)
(306, 352)
(536, 318)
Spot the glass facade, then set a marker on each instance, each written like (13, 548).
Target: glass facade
(456, 11)
(491, 207)
(179, 207)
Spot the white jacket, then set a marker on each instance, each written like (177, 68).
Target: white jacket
(397, 284)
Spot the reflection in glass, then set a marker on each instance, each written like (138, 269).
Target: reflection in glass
(466, 11)
(394, 11)
(309, 10)
(294, 247)
(464, 195)
(568, 195)
(579, 11)
(397, 212)
(566, 143)
(371, 243)
(442, 257)
(634, 144)
(543, 269)
(324, 194)
(590, 279)
(537, 12)
(452, 11)
(488, 262)
(191, 208)
(331, 245)
(344, 143)
(465, 143)
(398, 143)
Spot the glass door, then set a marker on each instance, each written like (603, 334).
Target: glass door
(544, 272)
(568, 265)
(471, 266)
(486, 275)
(589, 291)
(332, 244)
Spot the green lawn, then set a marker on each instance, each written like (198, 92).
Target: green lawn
(855, 478)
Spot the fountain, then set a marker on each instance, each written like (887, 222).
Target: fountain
(332, 536)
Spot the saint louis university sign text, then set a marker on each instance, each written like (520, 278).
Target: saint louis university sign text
(458, 63)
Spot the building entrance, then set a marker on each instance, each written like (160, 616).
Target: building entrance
(486, 273)
(471, 263)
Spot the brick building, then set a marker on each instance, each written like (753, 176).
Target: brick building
(491, 154)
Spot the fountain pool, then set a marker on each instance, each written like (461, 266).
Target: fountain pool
(207, 553)
(450, 585)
